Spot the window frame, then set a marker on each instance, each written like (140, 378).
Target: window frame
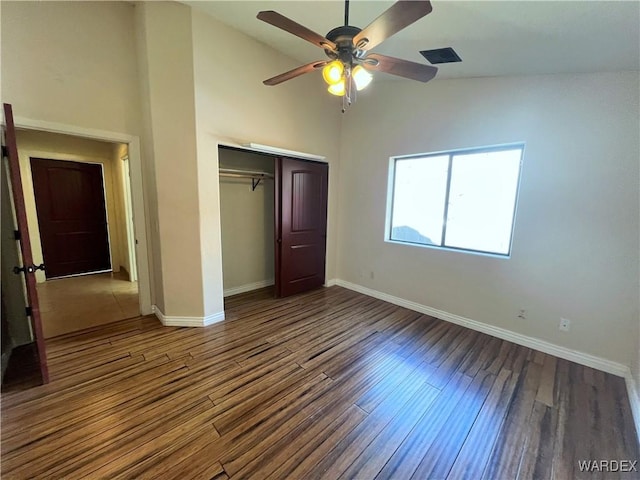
(451, 153)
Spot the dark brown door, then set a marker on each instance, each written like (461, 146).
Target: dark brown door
(26, 270)
(301, 225)
(72, 216)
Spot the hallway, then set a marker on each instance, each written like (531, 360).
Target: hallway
(72, 304)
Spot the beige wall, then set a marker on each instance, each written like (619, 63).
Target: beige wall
(575, 246)
(75, 64)
(247, 222)
(71, 62)
(65, 147)
(232, 105)
(170, 136)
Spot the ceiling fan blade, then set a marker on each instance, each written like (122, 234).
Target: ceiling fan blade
(280, 21)
(400, 15)
(296, 72)
(399, 67)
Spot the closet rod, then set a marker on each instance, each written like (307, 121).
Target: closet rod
(255, 176)
(245, 173)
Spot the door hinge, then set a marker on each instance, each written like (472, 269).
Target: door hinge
(29, 311)
(5, 151)
(16, 234)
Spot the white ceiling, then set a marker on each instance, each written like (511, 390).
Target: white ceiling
(493, 38)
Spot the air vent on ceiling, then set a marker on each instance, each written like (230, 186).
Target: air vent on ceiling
(441, 55)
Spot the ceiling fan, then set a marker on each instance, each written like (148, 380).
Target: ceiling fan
(348, 48)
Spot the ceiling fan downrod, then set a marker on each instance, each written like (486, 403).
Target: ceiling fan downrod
(346, 12)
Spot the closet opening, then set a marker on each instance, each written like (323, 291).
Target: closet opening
(247, 220)
(273, 214)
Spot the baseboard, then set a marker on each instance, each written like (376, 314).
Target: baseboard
(330, 283)
(123, 270)
(562, 352)
(634, 400)
(248, 287)
(171, 321)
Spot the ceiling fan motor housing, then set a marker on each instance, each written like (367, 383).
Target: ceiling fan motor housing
(343, 37)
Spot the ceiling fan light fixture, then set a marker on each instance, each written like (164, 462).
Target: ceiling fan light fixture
(338, 89)
(361, 77)
(332, 72)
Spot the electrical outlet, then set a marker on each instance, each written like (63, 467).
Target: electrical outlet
(522, 314)
(565, 324)
(371, 275)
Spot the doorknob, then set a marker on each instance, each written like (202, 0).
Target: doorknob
(29, 269)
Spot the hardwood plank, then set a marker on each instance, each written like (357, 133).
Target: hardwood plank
(377, 453)
(135, 455)
(537, 459)
(474, 454)
(342, 394)
(547, 380)
(351, 447)
(158, 456)
(408, 456)
(95, 376)
(254, 461)
(439, 459)
(130, 419)
(505, 457)
(300, 463)
(324, 384)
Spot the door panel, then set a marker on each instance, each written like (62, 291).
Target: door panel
(72, 216)
(28, 272)
(301, 227)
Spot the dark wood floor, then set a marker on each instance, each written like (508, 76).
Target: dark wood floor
(330, 384)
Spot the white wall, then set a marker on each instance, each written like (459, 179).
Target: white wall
(233, 106)
(247, 222)
(575, 247)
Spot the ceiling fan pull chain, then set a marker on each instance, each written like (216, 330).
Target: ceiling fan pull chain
(346, 12)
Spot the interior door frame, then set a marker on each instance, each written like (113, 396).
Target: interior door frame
(128, 213)
(139, 206)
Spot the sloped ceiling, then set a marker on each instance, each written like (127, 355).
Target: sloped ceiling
(492, 38)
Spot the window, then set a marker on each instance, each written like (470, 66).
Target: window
(463, 200)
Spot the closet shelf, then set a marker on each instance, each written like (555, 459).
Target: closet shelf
(255, 175)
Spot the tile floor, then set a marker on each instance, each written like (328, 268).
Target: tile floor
(76, 303)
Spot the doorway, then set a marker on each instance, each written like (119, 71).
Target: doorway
(273, 212)
(76, 209)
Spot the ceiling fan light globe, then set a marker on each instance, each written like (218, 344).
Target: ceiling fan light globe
(338, 89)
(361, 77)
(332, 72)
